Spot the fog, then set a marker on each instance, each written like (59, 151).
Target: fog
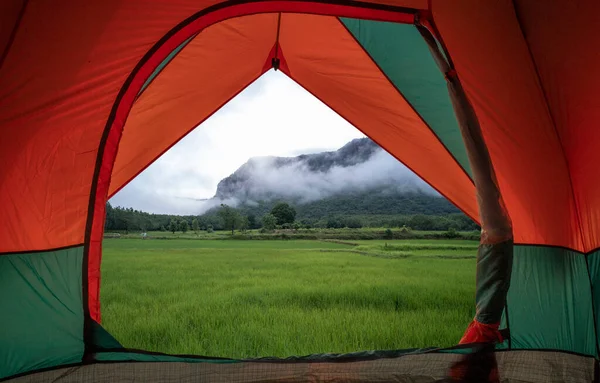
(296, 180)
(264, 179)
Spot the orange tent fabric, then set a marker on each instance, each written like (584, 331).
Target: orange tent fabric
(78, 121)
(514, 117)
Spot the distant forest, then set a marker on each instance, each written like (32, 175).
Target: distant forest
(326, 213)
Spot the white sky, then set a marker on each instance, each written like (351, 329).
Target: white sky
(274, 116)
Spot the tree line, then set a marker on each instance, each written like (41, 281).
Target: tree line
(281, 215)
(225, 218)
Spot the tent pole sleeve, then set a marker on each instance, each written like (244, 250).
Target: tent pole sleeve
(495, 254)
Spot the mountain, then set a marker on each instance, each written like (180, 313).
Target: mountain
(266, 177)
(358, 179)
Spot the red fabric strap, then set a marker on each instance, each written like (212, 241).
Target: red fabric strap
(478, 332)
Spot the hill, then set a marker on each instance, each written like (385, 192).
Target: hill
(359, 180)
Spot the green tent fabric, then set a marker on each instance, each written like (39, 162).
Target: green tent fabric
(42, 310)
(550, 301)
(407, 62)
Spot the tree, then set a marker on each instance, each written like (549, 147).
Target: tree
(173, 226)
(251, 221)
(307, 224)
(452, 233)
(230, 217)
(183, 225)
(244, 223)
(353, 223)
(269, 221)
(110, 221)
(195, 225)
(421, 222)
(283, 213)
(334, 223)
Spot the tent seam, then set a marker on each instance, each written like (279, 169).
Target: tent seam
(13, 34)
(185, 44)
(277, 35)
(553, 120)
(61, 248)
(508, 322)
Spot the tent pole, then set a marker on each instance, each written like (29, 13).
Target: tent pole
(495, 254)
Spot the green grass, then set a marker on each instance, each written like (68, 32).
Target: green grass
(183, 244)
(423, 242)
(282, 298)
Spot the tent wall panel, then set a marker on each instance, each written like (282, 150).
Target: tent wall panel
(550, 301)
(493, 63)
(407, 62)
(42, 310)
(329, 63)
(58, 84)
(198, 81)
(562, 40)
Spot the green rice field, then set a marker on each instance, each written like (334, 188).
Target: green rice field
(236, 298)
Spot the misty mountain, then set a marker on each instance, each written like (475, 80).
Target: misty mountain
(359, 178)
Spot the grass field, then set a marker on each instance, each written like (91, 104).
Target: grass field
(365, 233)
(281, 298)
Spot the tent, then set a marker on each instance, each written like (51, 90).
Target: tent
(491, 102)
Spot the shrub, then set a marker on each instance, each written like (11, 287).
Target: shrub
(353, 223)
(388, 234)
(269, 221)
(405, 229)
(306, 224)
(452, 233)
(334, 223)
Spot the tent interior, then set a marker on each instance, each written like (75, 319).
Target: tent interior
(491, 103)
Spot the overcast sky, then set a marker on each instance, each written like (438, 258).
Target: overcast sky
(274, 116)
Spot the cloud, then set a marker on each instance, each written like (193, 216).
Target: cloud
(296, 179)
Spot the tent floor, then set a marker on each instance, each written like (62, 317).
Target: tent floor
(514, 367)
